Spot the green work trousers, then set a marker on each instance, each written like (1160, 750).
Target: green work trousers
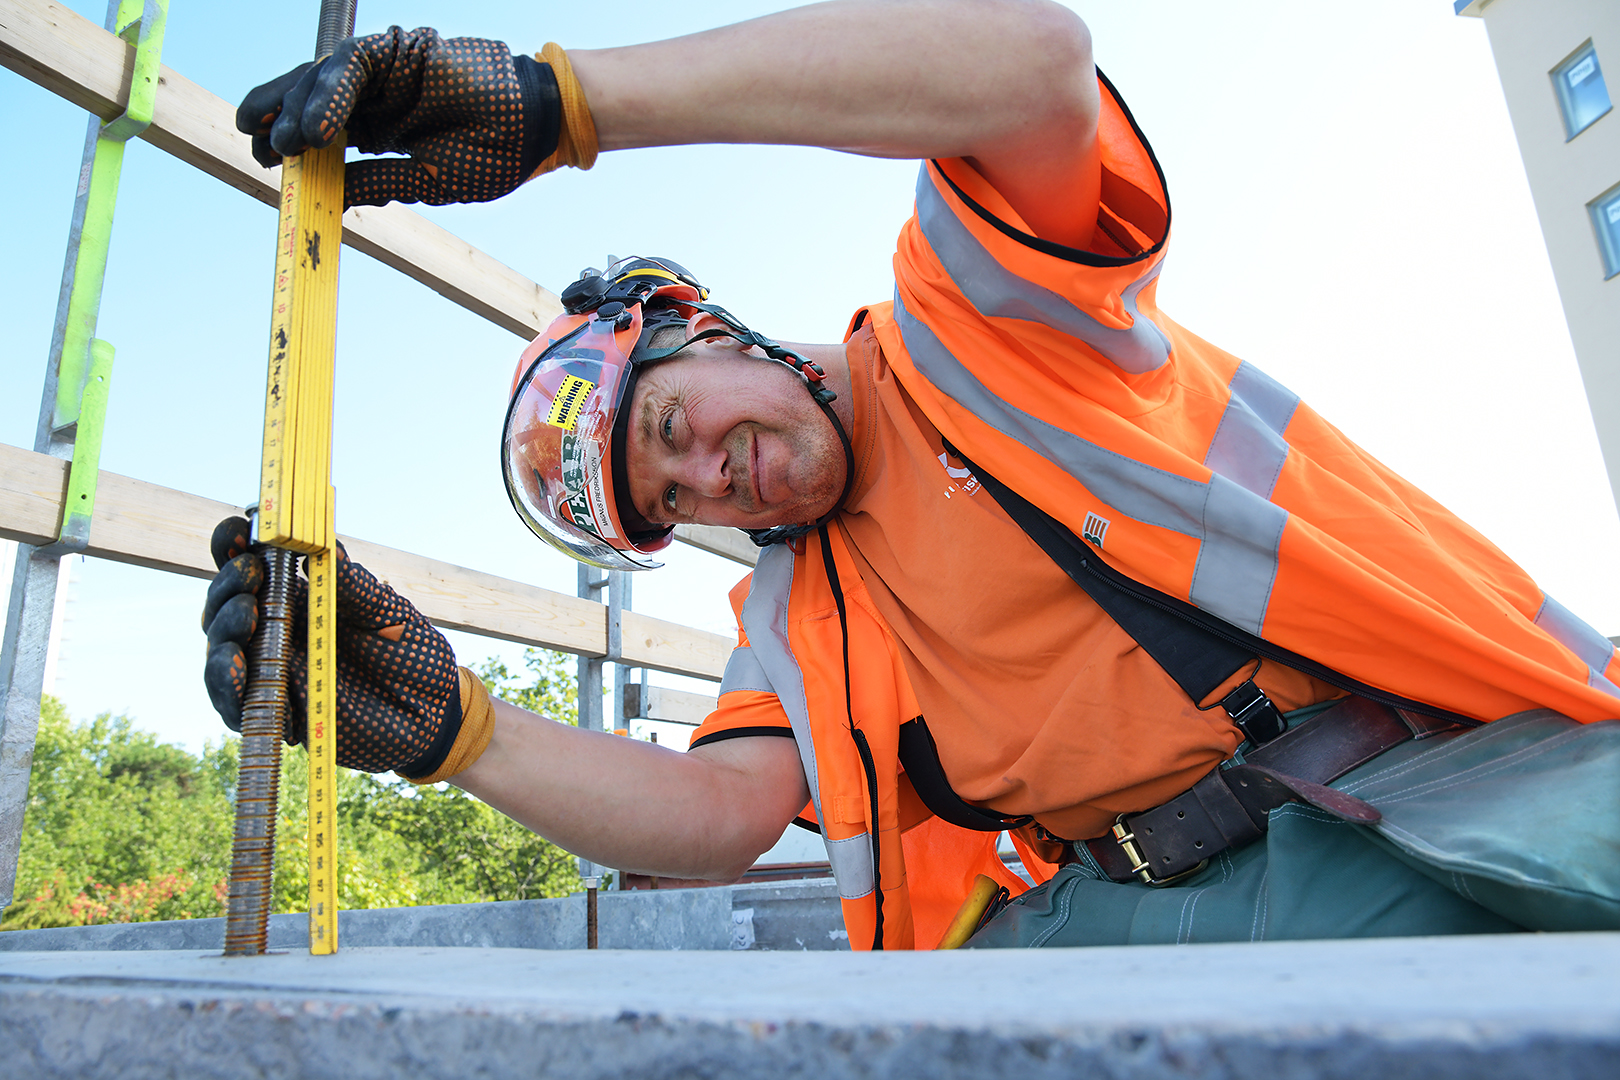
(1511, 826)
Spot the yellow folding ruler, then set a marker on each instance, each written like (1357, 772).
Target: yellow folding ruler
(296, 498)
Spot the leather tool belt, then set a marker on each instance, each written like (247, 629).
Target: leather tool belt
(1229, 807)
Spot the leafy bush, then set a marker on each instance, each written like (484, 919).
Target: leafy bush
(120, 826)
(123, 828)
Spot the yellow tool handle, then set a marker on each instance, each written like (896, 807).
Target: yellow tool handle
(972, 910)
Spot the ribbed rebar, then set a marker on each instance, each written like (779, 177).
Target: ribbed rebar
(264, 712)
(590, 912)
(337, 23)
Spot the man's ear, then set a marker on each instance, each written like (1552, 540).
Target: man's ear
(705, 321)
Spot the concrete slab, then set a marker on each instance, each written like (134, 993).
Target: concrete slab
(772, 915)
(1543, 1006)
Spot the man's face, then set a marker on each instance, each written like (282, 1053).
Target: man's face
(717, 437)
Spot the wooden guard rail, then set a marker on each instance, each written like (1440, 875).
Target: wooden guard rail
(79, 61)
(158, 527)
(148, 525)
(74, 58)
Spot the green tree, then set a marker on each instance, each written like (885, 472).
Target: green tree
(467, 850)
(550, 687)
(399, 844)
(120, 826)
(375, 868)
(123, 828)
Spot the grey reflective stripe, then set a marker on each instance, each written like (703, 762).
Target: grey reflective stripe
(1566, 628)
(1248, 447)
(765, 621)
(1239, 531)
(1273, 402)
(1596, 681)
(1145, 493)
(1593, 649)
(744, 673)
(1237, 561)
(994, 290)
(851, 861)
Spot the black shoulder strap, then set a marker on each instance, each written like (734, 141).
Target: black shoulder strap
(1196, 649)
(920, 758)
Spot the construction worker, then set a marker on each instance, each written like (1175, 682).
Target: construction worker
(1036, 559)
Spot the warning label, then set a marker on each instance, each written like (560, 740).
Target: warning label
(570, 399)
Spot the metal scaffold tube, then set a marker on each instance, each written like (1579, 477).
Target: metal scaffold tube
(72, 409)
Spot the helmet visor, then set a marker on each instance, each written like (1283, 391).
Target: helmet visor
(556, 449)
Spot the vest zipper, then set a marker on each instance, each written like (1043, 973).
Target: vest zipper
(861, 745)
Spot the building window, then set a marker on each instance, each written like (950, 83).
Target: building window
(1606, 219)
(1581, 90)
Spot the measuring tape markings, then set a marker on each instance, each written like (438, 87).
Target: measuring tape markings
(296, 501)
(273, 471)
(323, 744)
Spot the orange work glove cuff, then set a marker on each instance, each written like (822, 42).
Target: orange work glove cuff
(576, 136)
(477, 725)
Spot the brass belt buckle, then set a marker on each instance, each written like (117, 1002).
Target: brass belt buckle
(1126, 839)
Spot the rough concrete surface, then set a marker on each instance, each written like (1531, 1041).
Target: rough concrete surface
(773, 915)
(1543, 1006)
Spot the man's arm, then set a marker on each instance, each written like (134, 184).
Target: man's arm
(1006, 84)
(403, 706)
(1009, 84)
(706, 814)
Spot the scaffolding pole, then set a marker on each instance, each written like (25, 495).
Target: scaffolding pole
(71, 414)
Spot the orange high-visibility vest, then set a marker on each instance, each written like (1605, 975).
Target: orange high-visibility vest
(1188, 470)
(880, 839)
(1195, 473)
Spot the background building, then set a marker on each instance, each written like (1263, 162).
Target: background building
(1558, 60)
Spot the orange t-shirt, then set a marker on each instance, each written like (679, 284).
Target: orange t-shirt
(1039, 703)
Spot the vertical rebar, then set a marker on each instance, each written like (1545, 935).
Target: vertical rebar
(337, 23)
(258, 778)
(590, 912)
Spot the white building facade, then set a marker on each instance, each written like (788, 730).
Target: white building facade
(1559, 62)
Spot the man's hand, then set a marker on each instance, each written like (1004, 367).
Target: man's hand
(476, 121)
(399, 696)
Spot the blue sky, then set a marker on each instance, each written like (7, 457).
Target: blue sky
(1350, 215)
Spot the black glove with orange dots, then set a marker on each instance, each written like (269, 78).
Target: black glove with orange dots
(475, 121)
(402, 703)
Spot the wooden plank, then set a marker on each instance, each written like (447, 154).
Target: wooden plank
(32, 488)
(732, 544)
(76, 59)
(670, 706)
(157, 527)
(407, 241)
(461, 599)
(668, 646)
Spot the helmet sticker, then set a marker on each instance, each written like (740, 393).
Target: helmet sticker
(570, 399)
(573, 504)
(584, 495)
